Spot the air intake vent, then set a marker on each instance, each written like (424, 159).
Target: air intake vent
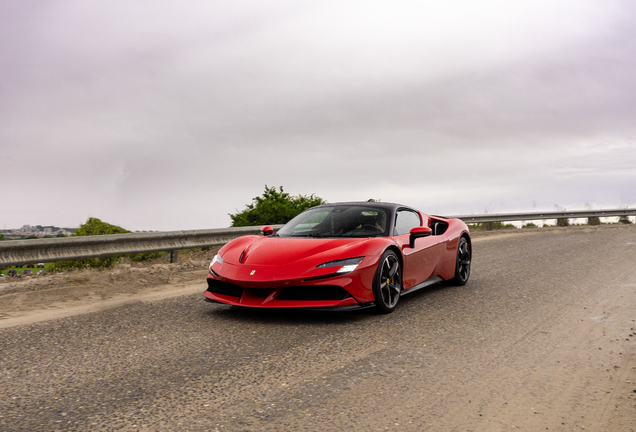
(224, 288)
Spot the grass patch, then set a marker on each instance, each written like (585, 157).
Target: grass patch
(47, 267)
(484, 226)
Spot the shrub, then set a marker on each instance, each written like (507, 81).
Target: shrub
(147, 256)
(481, 226)
(274, 207)
(93, 226)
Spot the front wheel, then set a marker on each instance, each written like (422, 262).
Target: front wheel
(387, 283)
(462, 264)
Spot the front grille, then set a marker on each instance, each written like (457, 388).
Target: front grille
(225, 288)
(313, 292)
(298, 293)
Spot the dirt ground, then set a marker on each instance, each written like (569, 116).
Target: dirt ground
(41, 298)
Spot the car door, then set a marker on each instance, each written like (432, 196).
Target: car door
(419, 262)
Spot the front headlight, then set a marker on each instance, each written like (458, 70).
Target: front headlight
(217, 258)
(348, 264)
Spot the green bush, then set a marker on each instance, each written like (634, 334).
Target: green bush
(93, 226)
(147, 256)
(483, 226)
(94, 263)
(274, 207)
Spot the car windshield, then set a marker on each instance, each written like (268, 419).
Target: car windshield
(338, 221)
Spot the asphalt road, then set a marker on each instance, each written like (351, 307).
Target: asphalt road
(541, 338)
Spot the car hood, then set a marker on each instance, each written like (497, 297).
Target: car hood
(277, 251)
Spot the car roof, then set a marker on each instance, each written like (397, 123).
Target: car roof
(384, 205)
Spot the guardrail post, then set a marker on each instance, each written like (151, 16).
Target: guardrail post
(563, 222)
(593, 220)
(174, 257)
(624, 219)
(490, 226)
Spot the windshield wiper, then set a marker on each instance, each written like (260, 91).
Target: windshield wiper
(307, 235)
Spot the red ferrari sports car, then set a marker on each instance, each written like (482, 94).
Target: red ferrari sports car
(340, 257)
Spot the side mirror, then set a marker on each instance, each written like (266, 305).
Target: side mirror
(267, 230)
(418, 232)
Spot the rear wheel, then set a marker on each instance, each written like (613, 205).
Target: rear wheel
(387, 284)
(462, 264)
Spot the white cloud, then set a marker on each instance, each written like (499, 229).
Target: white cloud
(165, 115)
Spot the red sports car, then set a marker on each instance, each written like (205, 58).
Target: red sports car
(340, 257)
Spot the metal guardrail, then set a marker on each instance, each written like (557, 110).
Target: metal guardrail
(507, 217)
(19, 252)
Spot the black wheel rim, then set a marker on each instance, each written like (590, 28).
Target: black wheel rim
(463, 261)
(390, 281)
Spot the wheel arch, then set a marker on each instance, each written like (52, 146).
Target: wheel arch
(470, 243)
(398, 252)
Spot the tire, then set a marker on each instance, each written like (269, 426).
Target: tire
(462, 263)
(387, 283)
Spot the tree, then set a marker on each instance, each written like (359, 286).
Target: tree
(274, 207)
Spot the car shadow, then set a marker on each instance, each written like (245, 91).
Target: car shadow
(287, 316)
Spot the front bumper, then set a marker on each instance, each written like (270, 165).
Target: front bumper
(331, 297)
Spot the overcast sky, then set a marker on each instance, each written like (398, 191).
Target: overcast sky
(166, 115)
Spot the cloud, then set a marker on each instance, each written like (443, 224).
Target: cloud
(164, 115)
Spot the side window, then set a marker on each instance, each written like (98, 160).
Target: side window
(405, 221)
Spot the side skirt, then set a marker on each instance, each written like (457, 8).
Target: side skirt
(428, 282)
